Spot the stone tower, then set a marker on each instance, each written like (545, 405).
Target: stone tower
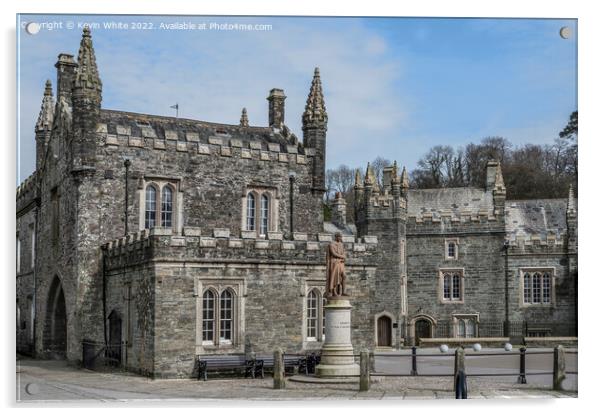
(381, 213)
(44, 124)
(84, 145)
(86, 98)
(315, 121)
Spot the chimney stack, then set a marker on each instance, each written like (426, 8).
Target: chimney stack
(276, 108)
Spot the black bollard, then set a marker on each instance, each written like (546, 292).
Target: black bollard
(522, 377)
(461, 387)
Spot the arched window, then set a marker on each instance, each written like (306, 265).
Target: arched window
(537, 287)
(452, 285)
(470, 328)
(547, 286)
(456, 286)
(225, 316)
(527, 288)
(446, 286)
(451, 250)
(166, 207)
(461, 328)
(263, 220)
(312, 315)
(250, 212)
(150, 211)
(208, 316)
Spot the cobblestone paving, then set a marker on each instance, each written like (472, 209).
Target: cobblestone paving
(52, 381)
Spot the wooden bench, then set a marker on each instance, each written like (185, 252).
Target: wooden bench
(224, 362)
(293, 363)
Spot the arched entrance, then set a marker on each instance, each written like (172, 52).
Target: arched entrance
(114, 347)
(55, 325)
(383, 331)
(423, 329)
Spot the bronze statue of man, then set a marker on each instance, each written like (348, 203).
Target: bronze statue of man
(335, 268)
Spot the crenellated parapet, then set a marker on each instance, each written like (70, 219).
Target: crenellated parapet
(26, 193)
(277, 145)
(220, 245)
(553, 242)
(376, 202)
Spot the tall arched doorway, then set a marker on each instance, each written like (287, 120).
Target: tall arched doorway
(383, 331)
(55, 325)
(114, 348)
(423, 329)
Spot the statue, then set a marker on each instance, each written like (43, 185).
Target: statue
(335, 268)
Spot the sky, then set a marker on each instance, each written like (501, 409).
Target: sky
(393, 87)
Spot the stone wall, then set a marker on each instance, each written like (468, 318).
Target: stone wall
(25, 235)
(271, 280)
(553, 255)
(480, 256)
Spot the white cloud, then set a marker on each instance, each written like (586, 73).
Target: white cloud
(212, 75)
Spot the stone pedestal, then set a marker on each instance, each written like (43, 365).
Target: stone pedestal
(337, 351)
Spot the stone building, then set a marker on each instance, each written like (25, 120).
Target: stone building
(164, 238)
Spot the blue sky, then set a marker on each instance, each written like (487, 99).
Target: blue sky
(394, 87)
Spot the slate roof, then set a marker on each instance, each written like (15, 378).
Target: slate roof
(453, 200)
(536, 216)
(145, 125)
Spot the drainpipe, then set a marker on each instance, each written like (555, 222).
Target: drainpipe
(291, 178)
(127, 164)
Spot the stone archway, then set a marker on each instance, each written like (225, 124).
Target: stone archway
(420, 327)
(423, 329)
(55, 324)
(113, 352)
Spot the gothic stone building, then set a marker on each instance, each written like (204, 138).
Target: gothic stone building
(175, 237)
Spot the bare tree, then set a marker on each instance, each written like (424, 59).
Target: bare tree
(378, 166)
(340, 180)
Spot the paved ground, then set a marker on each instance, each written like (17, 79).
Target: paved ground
(54, 381)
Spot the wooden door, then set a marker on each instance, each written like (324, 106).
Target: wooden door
(383, 331)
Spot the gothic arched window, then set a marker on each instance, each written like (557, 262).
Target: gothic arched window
(452, 285)
(150, 210)
(250, 212)
(263, 215)
(208, 316)
(225, 316)
(537, 287)
(166, 206)
(312, 315)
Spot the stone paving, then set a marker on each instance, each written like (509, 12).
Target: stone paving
(55, 381)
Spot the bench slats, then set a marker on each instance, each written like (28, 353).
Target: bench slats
(255, 367)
